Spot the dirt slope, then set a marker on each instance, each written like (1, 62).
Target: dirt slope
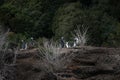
(90, 63)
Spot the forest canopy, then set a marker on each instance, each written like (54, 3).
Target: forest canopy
(56, 18)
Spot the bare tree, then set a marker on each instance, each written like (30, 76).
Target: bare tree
(3, 39)
(52, 60)
(6, 69)
(81, 34)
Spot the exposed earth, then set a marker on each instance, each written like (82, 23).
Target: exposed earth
(90, 63)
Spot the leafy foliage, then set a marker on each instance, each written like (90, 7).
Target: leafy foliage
(55, 18)
(66, 18)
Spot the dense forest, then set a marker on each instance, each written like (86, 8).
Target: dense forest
(56, 18)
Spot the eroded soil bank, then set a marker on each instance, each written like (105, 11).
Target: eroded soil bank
(90, 63)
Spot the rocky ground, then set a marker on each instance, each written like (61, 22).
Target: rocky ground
(90, 63)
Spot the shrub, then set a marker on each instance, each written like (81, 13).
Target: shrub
(51, 58)
(7, 60)
(81, 34)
